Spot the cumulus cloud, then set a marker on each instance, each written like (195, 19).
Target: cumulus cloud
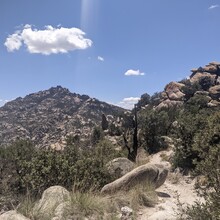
(134, 73)
(100, 58)
(128, 103)
(213, 7)
(48, 41)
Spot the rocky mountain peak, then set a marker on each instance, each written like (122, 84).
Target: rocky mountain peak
(48, 117)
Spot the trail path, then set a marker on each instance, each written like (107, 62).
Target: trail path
(177, 188)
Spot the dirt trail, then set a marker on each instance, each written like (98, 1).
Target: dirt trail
(176, 188)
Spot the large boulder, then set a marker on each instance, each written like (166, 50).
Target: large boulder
(153, 173)
(13, 215)
(169, 104)
(119, 166)
(173, 91)
(50, 200)
(199, 75)
(210, 68)
(214, 92)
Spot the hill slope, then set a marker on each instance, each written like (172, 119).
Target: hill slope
(48, 117)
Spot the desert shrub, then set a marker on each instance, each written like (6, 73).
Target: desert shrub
(191, 120)
(97, 135)
(206, 82)
(39, 169)
(12, 159)
(157, 124)
(144, 100)
(190, 88)
(207, 146)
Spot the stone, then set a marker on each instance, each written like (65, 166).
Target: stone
(206, 93)
(153, 173)
(126, 213)
(213, 103)
(169, 103)
(50, 200)
(12, 215)
(119, 166)
(62, 210)
(214, 92)
(215, 63)
(167, 142)
(173, 91)
(210, 69)
(199, 75)
(194, 70)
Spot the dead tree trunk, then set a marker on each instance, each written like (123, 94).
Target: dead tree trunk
(132, 151)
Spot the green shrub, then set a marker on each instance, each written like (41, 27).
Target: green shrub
(33, 170)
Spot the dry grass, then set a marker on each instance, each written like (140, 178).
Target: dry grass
(96, 206)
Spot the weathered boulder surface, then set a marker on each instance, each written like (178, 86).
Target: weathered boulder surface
(169, 104)
(62, 210)
(173, 91)
(119, 166)
(154, 173)
(199, 75)
(214, 92)
(12, 215)
(50, 200)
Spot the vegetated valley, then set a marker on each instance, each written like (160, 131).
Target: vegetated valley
(69, 156)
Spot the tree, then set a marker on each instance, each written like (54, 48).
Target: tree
(104, 122)
(97, 135)
(207, 146)
(132, 150)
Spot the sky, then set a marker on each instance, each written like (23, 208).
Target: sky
(112, 50)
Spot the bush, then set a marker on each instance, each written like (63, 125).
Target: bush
(157, 124)
(39, 169)
(207, 146)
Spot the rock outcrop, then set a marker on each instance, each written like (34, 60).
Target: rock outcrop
(206, 78)
(52, 200)
(48, 117)
(119, 166)
(13, 215)
(148, 173)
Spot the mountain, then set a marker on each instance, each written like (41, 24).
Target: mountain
(48, 117)
(203, 81)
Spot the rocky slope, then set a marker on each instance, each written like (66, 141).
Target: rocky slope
(48, 117)
(203, 80)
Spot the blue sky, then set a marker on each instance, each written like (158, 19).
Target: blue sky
(111, 50)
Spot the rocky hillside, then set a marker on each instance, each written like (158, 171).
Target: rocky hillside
(48, 117)
(203, 81)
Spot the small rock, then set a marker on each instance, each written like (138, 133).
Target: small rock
(126, 213)
(13, 215)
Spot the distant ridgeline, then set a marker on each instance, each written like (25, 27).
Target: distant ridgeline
(48, 117)
(203, 81)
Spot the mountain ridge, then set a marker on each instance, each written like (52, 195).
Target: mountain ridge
(48, 117)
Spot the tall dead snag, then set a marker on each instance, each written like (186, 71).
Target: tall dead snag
(135, 138)
(132, 151)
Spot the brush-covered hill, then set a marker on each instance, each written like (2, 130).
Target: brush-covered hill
(48, 117)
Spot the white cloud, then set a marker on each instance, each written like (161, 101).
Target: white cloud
(100, 58)
(13, 42)
(213, 7)
(128, 103)
(48, 41)
(134, 73)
